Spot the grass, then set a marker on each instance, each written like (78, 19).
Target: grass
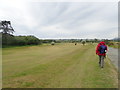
(58, 66)
(115, 45)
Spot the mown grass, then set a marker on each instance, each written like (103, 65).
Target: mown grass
(58, 66)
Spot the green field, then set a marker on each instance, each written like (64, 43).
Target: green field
(57, 66)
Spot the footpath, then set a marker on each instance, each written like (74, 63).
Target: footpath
(113, 56)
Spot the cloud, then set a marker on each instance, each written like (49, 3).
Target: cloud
(62, 19)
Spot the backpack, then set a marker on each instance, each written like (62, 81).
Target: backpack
(102, 49)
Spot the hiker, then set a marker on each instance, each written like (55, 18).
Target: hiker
(101, 50)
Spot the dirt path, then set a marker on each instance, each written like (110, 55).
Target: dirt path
(113, 56)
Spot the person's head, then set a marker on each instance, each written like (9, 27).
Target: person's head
(102, 43)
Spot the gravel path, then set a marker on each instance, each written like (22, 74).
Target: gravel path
(113, 55)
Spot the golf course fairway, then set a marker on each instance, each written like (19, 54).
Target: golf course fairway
(62, 65)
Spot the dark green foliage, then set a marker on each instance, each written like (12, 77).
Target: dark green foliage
(7, 39)
(52, 43)
(47, 41)
(83, 42)
(26, 40)
(0, 40)
(6, 27)
(95, 40)
(10, 40)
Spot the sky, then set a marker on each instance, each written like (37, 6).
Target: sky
(62, 19)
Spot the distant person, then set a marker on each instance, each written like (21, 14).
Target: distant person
(101, 50)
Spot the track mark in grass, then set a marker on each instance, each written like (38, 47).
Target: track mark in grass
(27, 84)
(20, 74)
(23, 83)
(35, 70)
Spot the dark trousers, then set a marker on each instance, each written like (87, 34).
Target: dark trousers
(101, 61)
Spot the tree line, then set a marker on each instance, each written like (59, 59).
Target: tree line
(8, 39)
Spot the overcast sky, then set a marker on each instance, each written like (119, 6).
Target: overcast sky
(62, 19)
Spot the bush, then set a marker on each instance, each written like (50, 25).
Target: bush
(110, 43)
(52, 43)
(7, 39)
(10, 40)
(26, 40)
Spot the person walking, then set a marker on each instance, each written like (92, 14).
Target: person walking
(101, 50)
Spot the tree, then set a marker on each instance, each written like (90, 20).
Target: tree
(6, 27)
(7, 30)
(52, 43)
(95, 40)
(83, 42)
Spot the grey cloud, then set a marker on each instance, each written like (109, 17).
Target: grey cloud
(64, 20)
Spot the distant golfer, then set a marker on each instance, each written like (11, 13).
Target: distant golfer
(101, 50)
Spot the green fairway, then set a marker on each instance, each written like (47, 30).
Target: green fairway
(57, 66)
